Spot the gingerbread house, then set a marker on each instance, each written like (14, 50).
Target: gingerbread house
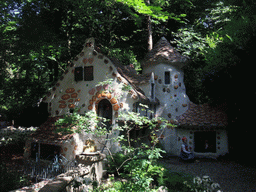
(160, 86)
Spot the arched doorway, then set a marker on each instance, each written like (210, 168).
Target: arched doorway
(105, 110)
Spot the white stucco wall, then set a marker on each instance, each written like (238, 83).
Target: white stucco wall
(170, 141)
(172, 97)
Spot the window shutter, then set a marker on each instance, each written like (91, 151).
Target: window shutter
(88, 73)
(78, 73)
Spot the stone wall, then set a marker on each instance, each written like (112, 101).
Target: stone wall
(89, 165)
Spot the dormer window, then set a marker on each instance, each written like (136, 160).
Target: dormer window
(167, 77)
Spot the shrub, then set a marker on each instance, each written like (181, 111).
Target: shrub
(115, 163)
(16, 136)
(11, 179)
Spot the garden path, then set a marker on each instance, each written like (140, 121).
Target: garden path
(232, 176)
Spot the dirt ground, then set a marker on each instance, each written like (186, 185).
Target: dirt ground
(232, 176)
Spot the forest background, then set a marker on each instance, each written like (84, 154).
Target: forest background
(39, 38)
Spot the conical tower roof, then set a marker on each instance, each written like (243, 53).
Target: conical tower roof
(163, 52)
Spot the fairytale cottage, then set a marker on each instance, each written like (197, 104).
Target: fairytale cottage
(160, 86)
(203, 125)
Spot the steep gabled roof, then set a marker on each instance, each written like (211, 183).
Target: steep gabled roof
(130, 74)
(164, 52)
(203, 115)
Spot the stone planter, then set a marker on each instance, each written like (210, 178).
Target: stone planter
(94, 160)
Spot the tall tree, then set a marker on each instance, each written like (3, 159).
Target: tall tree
(150, 37)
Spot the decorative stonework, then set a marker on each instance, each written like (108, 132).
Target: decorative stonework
(90, 60)
(100, 56)
(71, 106)
(70, 90)
(62, 106)
(92, 91)
(116, 107)
(85, 60)
(106, 61)
(69, 96)
(113, 101)
(74, 95)
(65, 97)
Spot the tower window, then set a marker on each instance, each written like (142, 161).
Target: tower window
(167, 77)
(152, 91)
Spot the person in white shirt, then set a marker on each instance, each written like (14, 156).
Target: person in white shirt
(185, 153)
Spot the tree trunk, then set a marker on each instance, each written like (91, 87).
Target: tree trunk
(69, 31)
(150, 38)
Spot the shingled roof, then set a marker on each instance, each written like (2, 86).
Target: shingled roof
(164, 52)
(203, 115)
(130, 74)
(45, 133)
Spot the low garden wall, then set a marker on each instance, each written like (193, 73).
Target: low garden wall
(90, 169)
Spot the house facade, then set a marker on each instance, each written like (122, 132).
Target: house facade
(160, 86)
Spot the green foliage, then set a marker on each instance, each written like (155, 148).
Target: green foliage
(190, 42)
(11, 179)
(143, 171)
(15, 136)
(135, 164)
(117, 162)
(141, 7)
(225, 53)
(140, 171)
(39, 38)
(125, 56)
(174, 181)
(216, 38)
(77, 123)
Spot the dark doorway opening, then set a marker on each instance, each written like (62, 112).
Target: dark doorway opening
(47, 152)
(205, 141)
(105, 111)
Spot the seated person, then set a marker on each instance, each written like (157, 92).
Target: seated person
(185, 153)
